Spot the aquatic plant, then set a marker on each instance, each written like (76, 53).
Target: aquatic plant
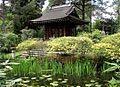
(33, 67)
(5, 67)
(115, 69)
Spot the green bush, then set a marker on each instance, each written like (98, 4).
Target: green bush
(27, 33)
(112, 39)
(70, 45)
(84, 45)
(63, 44)
(84, 34)
(7, 41)
(102, 50)
(30, 44)
(97, 35)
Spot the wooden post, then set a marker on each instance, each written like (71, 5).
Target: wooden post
(13, 54)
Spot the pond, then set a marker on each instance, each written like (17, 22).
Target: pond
(29, 73)
(57, 81)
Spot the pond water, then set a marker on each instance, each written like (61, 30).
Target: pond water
(58, 81)
(64, 80)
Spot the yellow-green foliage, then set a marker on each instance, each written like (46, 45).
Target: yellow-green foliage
(70, 44)
(30, 44)
(112, 39)
(64, 44)
(84, 45)
(103, 50)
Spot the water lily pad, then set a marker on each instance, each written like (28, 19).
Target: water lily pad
(54, 84)
(49, 79)
(48, 76)
(27, 81)
(59, 79)
(41, 78)
(64, 82)
(25, 77)
(92, 81)
(2, 74)
(97, 85)
(33, 78)
(18, 80)
(88, 85)
(9, 67)
(65, 79)
(44, 75)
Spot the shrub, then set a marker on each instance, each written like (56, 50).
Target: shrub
(84, 34)
(112, 39)
(71, 45)
(64, 44)
(30, 44)
(27, 33)
(84, 46)
(97, 35)
(102, 51)
(7, 41)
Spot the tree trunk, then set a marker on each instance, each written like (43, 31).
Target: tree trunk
(3, 16)
(83, 15)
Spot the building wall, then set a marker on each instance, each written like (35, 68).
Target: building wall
(59, 30)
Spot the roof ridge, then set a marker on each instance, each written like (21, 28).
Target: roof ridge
(70, 10)
(61, 6)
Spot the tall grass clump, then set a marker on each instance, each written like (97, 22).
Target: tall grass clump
(35, 67)
(80, 68)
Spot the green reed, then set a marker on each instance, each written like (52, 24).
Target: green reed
(37, 67)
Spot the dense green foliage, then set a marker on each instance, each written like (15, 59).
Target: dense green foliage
(96, 35)
(112, 39)
(24, 11)
(27, 33)
(7, 41)
(30, 44)
(102, 51)
(56, 2)
(115, 41)
(63, 44)
(84, 45)
(33, 67)
(70, 45)
(115, 68)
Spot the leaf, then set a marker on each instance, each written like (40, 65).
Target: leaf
(6, 61)
(8, 67)
(114, 81)
(111, 69)
(12, 63)
(114, 64)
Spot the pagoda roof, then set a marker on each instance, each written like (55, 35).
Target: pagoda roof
(58, 14)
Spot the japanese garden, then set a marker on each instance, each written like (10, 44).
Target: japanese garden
(59, 43)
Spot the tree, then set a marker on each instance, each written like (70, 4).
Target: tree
(23, 11)
(56, 2)
(117, 3)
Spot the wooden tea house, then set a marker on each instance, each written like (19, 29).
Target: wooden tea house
(59, 21)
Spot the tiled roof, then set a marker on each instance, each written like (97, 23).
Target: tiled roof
(57, 14)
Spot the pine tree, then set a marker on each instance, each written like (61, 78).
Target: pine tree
(23, 11)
